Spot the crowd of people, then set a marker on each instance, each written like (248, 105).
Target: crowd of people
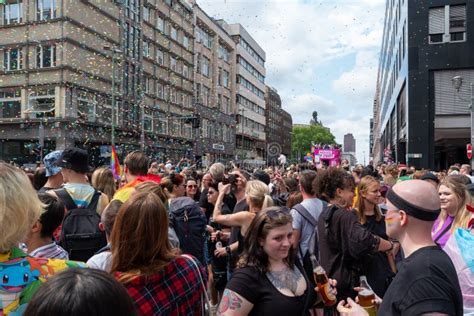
(172, 239)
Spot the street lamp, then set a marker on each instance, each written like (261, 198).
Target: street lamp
(457, 82)
(114, 52)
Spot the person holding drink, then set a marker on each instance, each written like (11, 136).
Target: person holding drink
(269, 280)
(426, 282)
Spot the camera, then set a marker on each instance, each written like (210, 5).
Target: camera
(231, 178)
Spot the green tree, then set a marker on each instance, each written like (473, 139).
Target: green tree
(304, 136)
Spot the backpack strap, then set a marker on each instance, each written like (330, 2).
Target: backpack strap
(306, 215)
(69, 203)
(94, 201)
(445, 230)
(67, 200)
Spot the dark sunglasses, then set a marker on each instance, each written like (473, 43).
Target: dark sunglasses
(192, 186)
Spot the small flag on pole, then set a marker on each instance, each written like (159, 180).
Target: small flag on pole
(114, 163)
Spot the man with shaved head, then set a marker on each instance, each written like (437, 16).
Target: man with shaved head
(427, 283)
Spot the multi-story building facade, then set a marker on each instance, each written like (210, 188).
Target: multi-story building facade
(422, 119)
(286, 133)
(61, 61)
(250, 96)
(278, 127)
(168, 70)
(214, 89)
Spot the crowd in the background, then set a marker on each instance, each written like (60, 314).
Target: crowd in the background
(167, 238)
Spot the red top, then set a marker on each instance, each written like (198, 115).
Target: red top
(175, 290)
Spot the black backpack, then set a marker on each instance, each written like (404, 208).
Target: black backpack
(189, 223)
(314, 240)
(80, 233)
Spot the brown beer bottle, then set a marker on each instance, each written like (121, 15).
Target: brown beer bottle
(322, 282)
(367, 297)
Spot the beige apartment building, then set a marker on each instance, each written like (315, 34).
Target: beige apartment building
(168, 67)
(250, 97)
(61, 62)
(214, 89)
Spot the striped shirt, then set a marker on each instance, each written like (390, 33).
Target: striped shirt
(50, 251)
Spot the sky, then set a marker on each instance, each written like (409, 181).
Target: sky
(320, 55)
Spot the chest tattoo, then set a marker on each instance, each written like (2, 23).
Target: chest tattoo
(285, 279)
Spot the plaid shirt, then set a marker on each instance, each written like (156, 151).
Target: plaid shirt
(175, 290)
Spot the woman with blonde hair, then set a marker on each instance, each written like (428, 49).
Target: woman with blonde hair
(103, 180)
(159, 281)
(453, 196)
(258, 198)
(377, 266)
(22, 275)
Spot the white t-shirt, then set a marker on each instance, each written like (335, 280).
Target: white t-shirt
(101, 261)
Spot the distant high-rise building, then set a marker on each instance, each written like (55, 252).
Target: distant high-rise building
(349, 143)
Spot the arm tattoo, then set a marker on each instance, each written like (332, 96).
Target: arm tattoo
(230, 300)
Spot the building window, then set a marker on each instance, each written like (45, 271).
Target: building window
(86, 107)
(203, 37)
(13, 59)
(12, 11)
(457, 22)
(206, 94)
(205, 66)
(252, 52)
(148, 123)
(447, 24)
(163, 126)
(173, 63)
(159, 90)
(146, 48)
(187, 131)
(173, 96)
(186, 42)
(146, 14)
(224, 53)
(160, 24)
(45, 56)
(147, 84)
(45, 9)
(43, 102)
(225, 78)
(160, 58)
(226, 105)
(10, 104)
(174, 33)
(176, 128)
(186, 71)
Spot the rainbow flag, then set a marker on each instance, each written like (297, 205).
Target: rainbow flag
(114, 164)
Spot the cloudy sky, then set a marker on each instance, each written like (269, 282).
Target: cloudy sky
(321, 56)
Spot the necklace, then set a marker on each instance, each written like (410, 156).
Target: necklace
(286, 279)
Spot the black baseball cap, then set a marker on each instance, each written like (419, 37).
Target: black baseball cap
(75, 159)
